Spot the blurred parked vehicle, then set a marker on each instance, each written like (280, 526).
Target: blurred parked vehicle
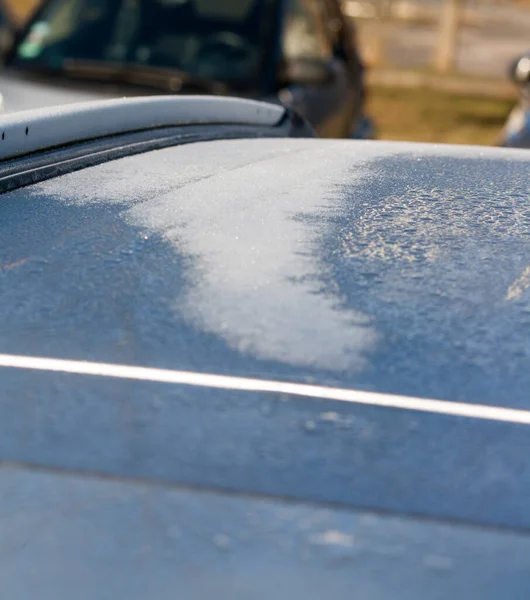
(516, 133)
(300, 52)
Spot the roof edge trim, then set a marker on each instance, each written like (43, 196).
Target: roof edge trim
(26, 132)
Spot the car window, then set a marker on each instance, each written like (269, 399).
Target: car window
(304, 35)
(207, 38)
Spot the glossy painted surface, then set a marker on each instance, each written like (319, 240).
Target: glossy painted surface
(390, 267)
(64, 535)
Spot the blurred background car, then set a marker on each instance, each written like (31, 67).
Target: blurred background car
(300, 52)
(435, 69)
(516, 133)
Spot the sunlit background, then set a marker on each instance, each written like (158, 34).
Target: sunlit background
(437, 68)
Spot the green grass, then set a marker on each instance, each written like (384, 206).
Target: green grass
(433, 116)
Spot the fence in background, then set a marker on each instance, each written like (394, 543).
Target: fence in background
(477, 37)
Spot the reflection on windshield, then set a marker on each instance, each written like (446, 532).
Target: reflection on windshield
(210, 39)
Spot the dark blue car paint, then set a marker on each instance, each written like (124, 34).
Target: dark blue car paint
(389, 267)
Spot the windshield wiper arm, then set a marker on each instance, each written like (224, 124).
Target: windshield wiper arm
(164, 79)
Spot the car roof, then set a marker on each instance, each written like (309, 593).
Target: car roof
(341, 235)
(335, 322)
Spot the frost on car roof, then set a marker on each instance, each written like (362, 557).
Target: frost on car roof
(393, 268)
(404, 265)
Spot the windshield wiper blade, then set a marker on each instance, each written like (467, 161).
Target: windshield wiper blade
(164, 79)
(91, 69)
(173, 80)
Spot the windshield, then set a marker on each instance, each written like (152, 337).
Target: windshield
(223, 40)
